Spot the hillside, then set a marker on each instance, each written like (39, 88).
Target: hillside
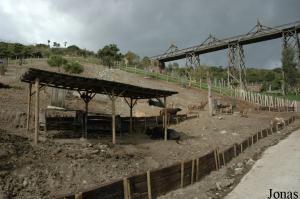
(63, 165)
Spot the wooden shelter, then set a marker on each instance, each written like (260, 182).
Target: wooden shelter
(88, 88)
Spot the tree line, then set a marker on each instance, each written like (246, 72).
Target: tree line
(285, 78)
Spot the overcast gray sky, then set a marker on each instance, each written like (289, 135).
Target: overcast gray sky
(147, 27)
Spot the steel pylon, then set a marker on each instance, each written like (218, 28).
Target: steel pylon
(236, 65)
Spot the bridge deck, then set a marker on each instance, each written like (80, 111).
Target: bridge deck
(244, 39)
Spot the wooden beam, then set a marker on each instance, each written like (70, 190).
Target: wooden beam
(37, 111)
(28, 109)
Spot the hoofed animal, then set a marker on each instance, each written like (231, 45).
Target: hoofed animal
(199, 107)
(156, 102)
(158, 133)
(276, 121)
(170, 111)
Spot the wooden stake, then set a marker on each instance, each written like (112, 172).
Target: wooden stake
(78, 195)
(241, 147)
(218, 157)
(234, 149)
(125, 188)
(37, 111)
(216, 160)
(182, 174)
(197, 169)
(192, 174)
(28, 109)
(223, 157)
(149, 185)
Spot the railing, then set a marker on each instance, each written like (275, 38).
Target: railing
(266, 102)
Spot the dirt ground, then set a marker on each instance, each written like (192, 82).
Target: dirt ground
(58, 166)
(218, 184)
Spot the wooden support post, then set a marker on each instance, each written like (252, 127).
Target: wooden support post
(86, 118)
(182, 174)
(210, 103)
(131, 107)
(113, 115)
(28, 108)
(241, 145)
(165, 120)
(37, 111)
(149, 185)
(193, 171)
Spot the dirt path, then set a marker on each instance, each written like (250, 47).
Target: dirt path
(278, 169)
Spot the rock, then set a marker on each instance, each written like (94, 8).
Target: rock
(238, 171)
(223, 132)
(240, 165)
(57, 151)
(224, 183)
(218, 185)
(114, 166)
(220, 118)
(250, 162)
(25, 182)
(89, 145)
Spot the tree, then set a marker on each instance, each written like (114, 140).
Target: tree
(73, 67)
(133, 59)
(19, 52)
(57, 61)
(146, 62)
(109, 54)
(289, 70)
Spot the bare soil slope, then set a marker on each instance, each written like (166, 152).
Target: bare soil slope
(68, 165)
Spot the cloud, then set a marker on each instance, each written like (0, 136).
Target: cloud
(147, 27)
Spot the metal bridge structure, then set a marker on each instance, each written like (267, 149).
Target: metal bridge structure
(236, 68)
